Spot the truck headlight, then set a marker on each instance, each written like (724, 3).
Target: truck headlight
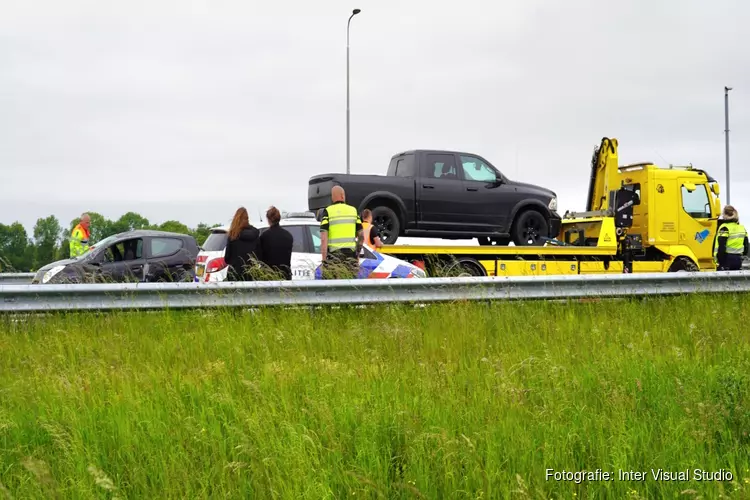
(51, 273)
(552, 204)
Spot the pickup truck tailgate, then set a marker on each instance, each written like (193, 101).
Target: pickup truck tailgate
(319, 192)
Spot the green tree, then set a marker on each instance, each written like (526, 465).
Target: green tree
(201, 232)
(129, 222)
(47, 234)
(174, 226)
(16, 250)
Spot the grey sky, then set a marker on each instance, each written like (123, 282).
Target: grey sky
(185, 111)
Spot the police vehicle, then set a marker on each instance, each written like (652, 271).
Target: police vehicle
(305, 230)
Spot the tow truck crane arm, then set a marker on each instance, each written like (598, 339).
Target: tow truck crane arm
(603, 181)
(604, 175)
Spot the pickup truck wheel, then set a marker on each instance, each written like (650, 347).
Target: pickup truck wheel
(529, 229)
(387, 223)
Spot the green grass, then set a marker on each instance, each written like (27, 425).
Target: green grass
(447, 401)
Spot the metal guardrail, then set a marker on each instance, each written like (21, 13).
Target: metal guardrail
(84, 297)
(16, 278)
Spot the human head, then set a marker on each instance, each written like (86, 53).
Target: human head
(367, 215)
(240, 221)
(730, 213)
(273, 216)
(85, 221)
(337, 194)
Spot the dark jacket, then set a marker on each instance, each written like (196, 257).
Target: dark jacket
(276, 246)
(239, 253)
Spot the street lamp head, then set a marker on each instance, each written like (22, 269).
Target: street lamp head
(726, 89)
(356, 11)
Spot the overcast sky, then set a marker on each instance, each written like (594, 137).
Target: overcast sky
(186, 110)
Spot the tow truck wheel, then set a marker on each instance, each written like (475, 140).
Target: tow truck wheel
(465, 268)
(529, 228)
(683, 265)
(387, 223)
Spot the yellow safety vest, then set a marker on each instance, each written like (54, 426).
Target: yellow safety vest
(342, 223)
(735, 234)
(79, 241)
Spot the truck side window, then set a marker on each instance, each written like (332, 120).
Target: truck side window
(405, 166)
(696, 204)
(441, 166)
(476, 170)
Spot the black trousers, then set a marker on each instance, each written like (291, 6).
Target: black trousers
(730, 262)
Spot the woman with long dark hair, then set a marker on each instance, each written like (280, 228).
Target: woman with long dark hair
(243, 251)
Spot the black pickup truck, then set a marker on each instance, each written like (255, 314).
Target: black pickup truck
(446, 194)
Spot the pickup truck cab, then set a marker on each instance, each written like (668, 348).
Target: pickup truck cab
(446, 194)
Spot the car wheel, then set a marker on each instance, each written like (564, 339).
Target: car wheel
(387, 223)
(529, 229)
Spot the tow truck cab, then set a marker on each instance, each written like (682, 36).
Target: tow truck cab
(674, 211)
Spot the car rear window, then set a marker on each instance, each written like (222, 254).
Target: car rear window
(216, 241)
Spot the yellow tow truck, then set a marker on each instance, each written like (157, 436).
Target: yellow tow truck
(639, 218)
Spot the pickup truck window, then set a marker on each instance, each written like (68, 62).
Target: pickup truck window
(405, 166)
(476, 170)
(441, 166)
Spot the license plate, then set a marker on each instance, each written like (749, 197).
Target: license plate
(201, 269)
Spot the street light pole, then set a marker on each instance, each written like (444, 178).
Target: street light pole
(726, 134)
(354, 13)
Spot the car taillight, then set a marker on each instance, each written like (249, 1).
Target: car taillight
(215, 265)
(201, 259)
(419, 264)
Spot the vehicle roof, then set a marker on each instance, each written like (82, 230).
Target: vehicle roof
(436, 151)
(149, 232)
(304, 221)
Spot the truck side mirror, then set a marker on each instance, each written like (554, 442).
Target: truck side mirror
(715, 188)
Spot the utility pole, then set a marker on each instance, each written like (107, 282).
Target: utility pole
(354, 13)
(726, 135)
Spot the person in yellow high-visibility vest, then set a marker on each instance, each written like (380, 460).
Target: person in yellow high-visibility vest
(731, 241)
(79, 238)
(341, 238)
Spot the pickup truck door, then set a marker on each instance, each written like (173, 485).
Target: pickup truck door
(440, 191)
(488, 202)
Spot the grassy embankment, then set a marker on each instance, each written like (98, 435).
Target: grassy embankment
(451, 401)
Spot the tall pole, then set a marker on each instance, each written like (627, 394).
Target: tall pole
(726, 134)
(354, 13)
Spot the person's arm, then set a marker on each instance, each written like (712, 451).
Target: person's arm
(721, 239)
(228, 252)
(746, 250)
(360, 235)
(375, 237)
(324, 235)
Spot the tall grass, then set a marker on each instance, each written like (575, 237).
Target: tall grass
(447, 401)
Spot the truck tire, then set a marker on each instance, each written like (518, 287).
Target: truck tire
(465, 267)
(529, 228)
(387, 223)
(683, 265)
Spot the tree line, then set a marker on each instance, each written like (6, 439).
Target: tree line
(20, 252)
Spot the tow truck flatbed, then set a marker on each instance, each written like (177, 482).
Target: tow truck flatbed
(639, 218)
